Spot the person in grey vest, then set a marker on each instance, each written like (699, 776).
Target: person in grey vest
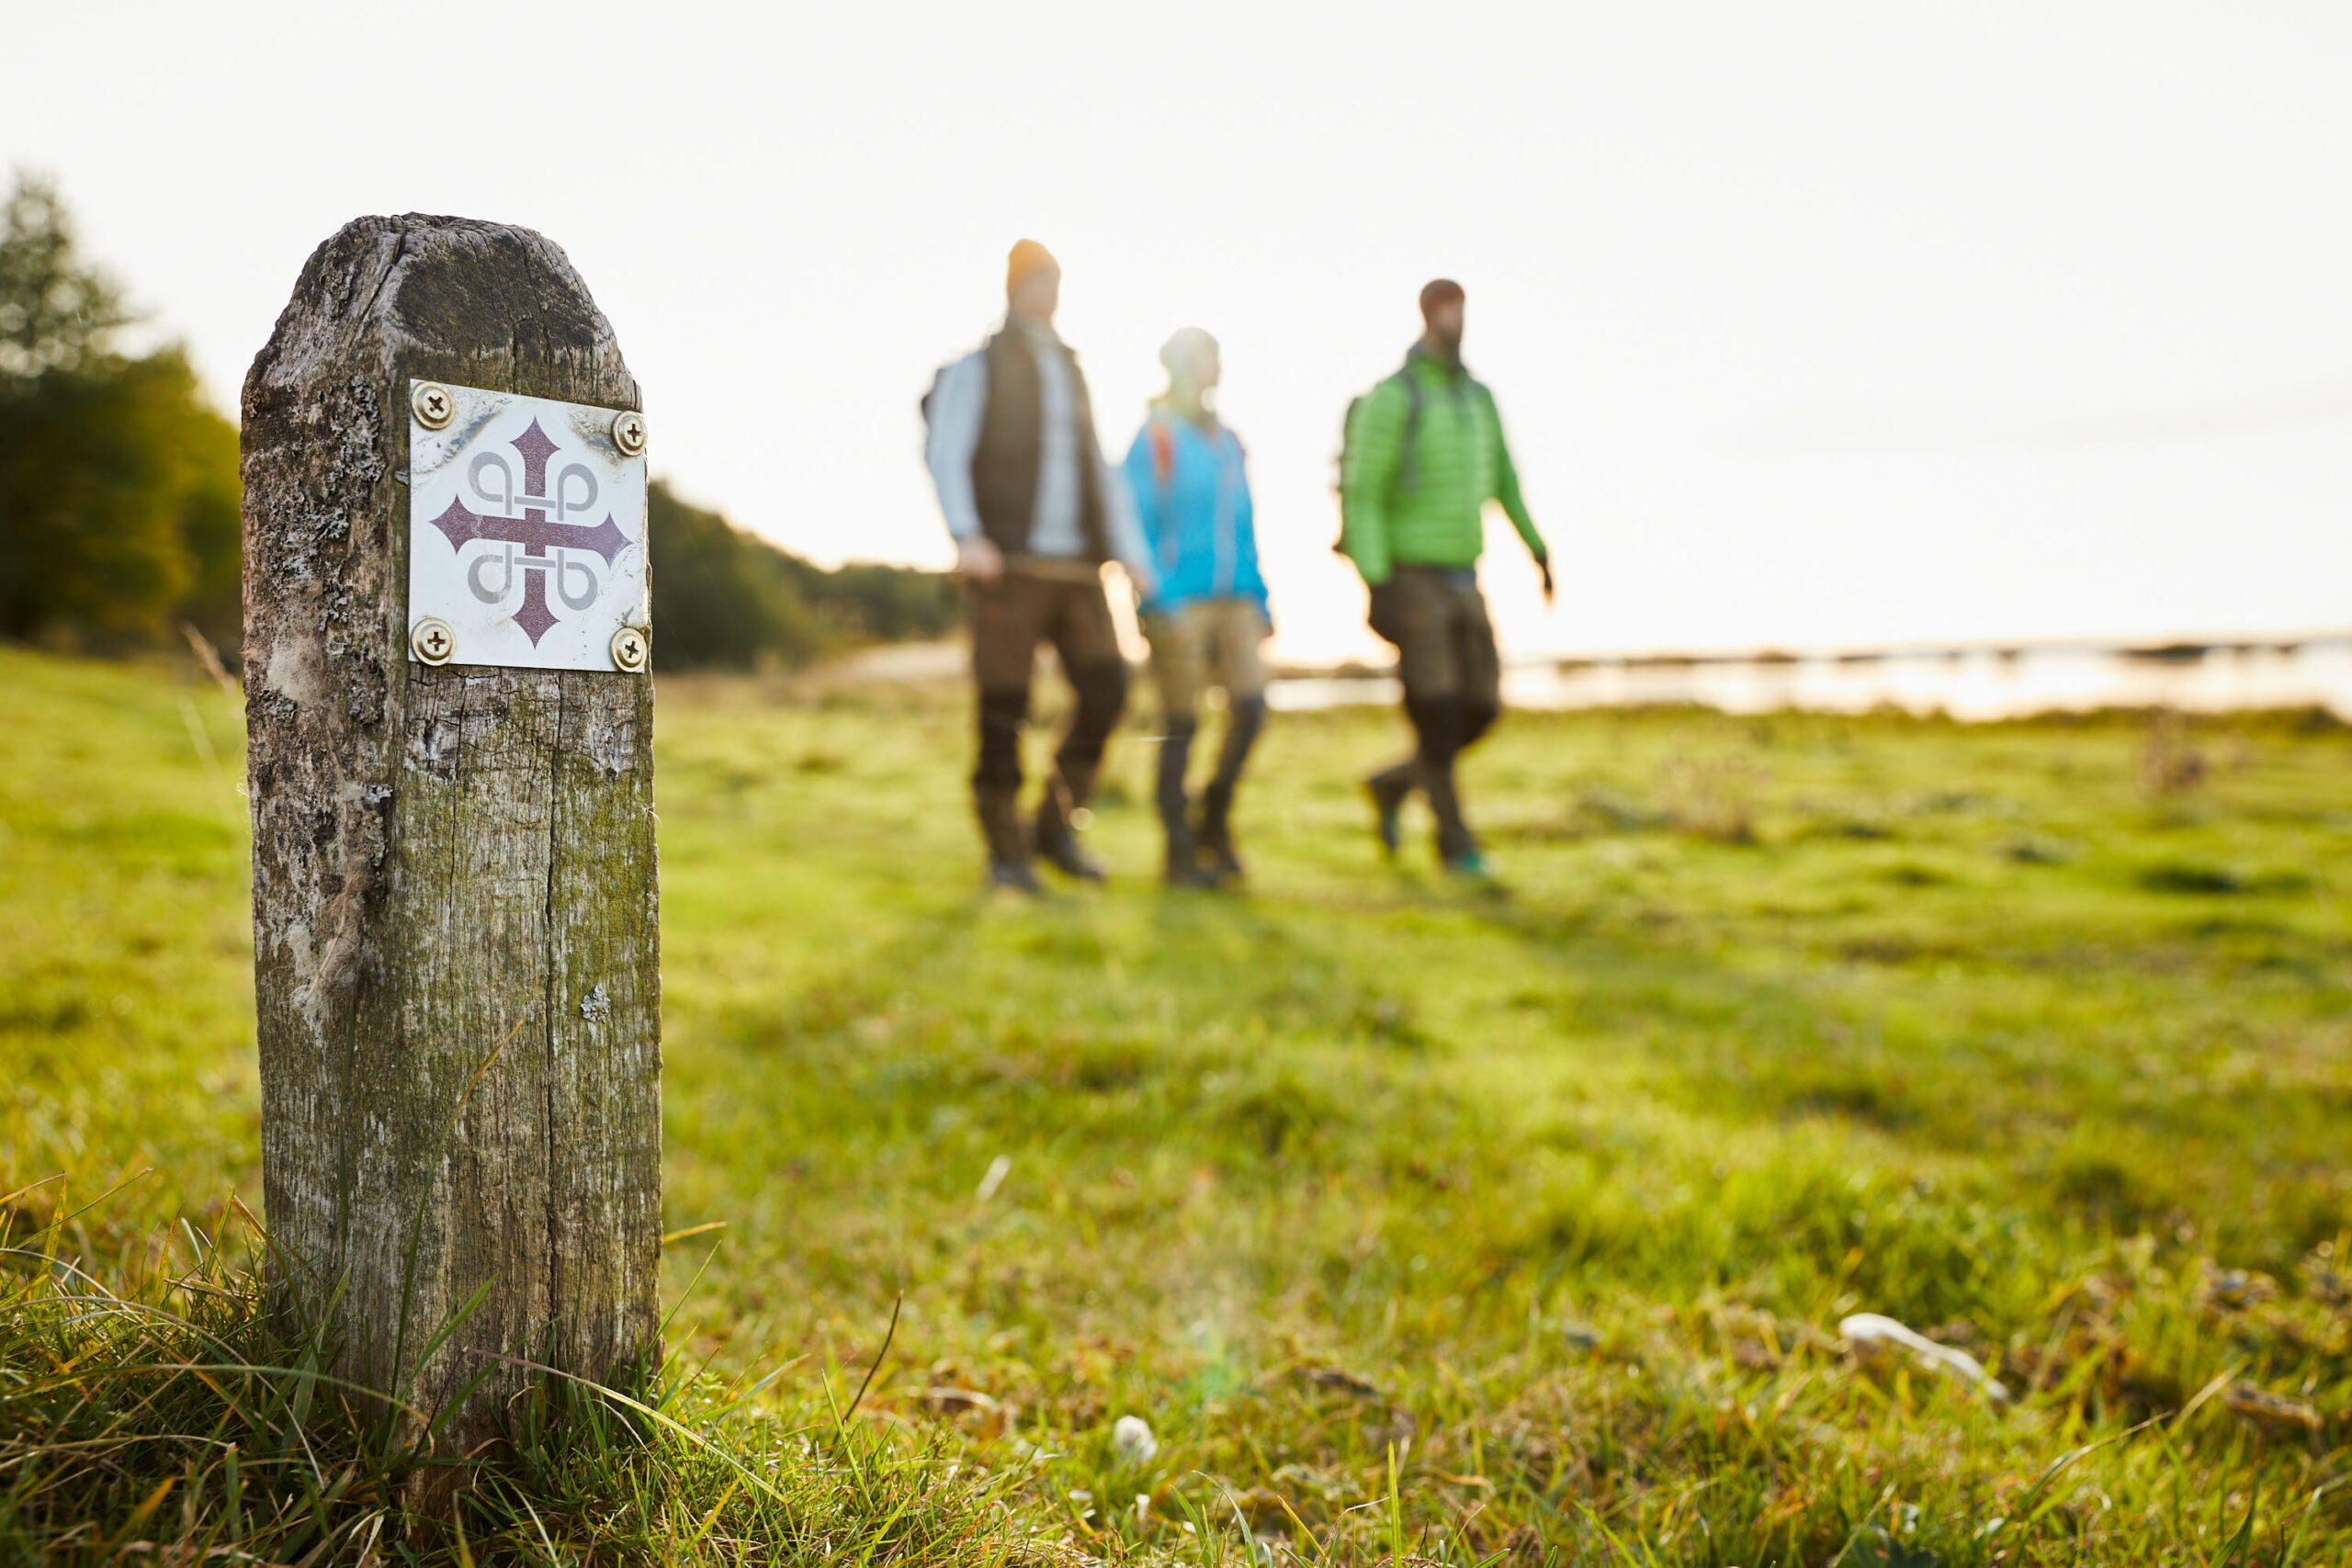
(1036, 514)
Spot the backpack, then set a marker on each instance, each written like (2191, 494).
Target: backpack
(1408, 450)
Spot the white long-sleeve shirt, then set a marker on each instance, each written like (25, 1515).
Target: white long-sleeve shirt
(1056, 528)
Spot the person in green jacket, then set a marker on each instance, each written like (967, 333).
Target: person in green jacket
(1424, 454)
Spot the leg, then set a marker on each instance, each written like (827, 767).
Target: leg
(1003, 649)
(1243, 676)
(1420, 666)
(996, 788)
(1088, 644)
(1479, 703)
(1389, 789)
(1439, 724)
(1482, 667)
(1244, 719)
(1176, 669)
(1429, 661)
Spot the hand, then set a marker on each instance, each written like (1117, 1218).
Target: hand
(1543, 565)
(980, 559)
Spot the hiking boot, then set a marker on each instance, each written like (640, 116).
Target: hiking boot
(1014, 876)
(1215, 835)
(1071, 859)
(1185, 868)
(1389, 793)
(1183, 874)
(1058, 845)
(1470, 866)
(1008, 846)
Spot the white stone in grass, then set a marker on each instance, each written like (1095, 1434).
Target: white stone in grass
(1132, 1440)
(998, 1168)
(1871, 1337)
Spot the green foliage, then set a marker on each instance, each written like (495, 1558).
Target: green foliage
(167, 1402)
(56, 312)
(1494, 1230)
(119, 499)
(727, 599)
(874, 602)
(722, 598)
(118, 483)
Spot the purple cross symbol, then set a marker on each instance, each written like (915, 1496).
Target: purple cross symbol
(533, 530)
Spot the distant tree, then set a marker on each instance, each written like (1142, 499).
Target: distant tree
(722, 598)
(56, 313)
(118, 495)
(119, 498)
(725, 599)
(869, 601)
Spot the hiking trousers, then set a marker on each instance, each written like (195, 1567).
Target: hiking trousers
(1452, 678)
(1057, 603)
(1203, 645)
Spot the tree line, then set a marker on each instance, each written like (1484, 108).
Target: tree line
(119, 499)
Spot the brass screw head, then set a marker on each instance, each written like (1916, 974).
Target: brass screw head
(432, 640)
(431, 404)
(632, 646)
(629, 432)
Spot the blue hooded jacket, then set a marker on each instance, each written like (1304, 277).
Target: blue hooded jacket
(1192, 492)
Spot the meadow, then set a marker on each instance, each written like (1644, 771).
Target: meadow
(1416, 1223)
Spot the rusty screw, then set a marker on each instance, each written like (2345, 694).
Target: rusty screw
(432, 640)
(433, 405)
(629, 432)
(632, 646)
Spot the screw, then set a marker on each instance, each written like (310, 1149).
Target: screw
(631, 646)
(433, 405)
(629, 432)
(432, 640)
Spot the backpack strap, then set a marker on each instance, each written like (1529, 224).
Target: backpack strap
(1163, 456)
(1408, 467)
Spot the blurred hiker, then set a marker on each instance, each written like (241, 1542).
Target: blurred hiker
(1036, 512)
(1192, 492)
(1424, 453)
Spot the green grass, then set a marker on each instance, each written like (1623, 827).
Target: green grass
(1415, 1222)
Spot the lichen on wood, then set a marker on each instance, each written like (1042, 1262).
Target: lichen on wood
(456, 908)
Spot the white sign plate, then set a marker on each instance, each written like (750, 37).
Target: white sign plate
(526, 531)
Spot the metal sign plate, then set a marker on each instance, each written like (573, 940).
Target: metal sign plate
(527, 530)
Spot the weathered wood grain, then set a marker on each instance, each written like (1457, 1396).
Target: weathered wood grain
(455, 907)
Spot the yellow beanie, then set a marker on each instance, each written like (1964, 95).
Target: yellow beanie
(1027, 259)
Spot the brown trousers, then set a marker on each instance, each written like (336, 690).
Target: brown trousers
(1063, 605)
(1453, 675)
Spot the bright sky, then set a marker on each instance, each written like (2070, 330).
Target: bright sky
(1813, 323)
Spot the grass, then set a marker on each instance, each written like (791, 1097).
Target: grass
(1415, 1224)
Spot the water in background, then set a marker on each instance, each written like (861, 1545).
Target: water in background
(1970, 683)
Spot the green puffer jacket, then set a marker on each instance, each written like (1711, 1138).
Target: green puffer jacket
(1434, 514)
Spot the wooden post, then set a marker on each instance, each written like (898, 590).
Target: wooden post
(455, 911)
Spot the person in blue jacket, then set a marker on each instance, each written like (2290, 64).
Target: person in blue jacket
(1208, 614)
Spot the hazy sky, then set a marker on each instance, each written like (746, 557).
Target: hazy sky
(1812, 323)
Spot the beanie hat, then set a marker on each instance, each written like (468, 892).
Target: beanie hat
(1028, 258)
(1178, 353)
